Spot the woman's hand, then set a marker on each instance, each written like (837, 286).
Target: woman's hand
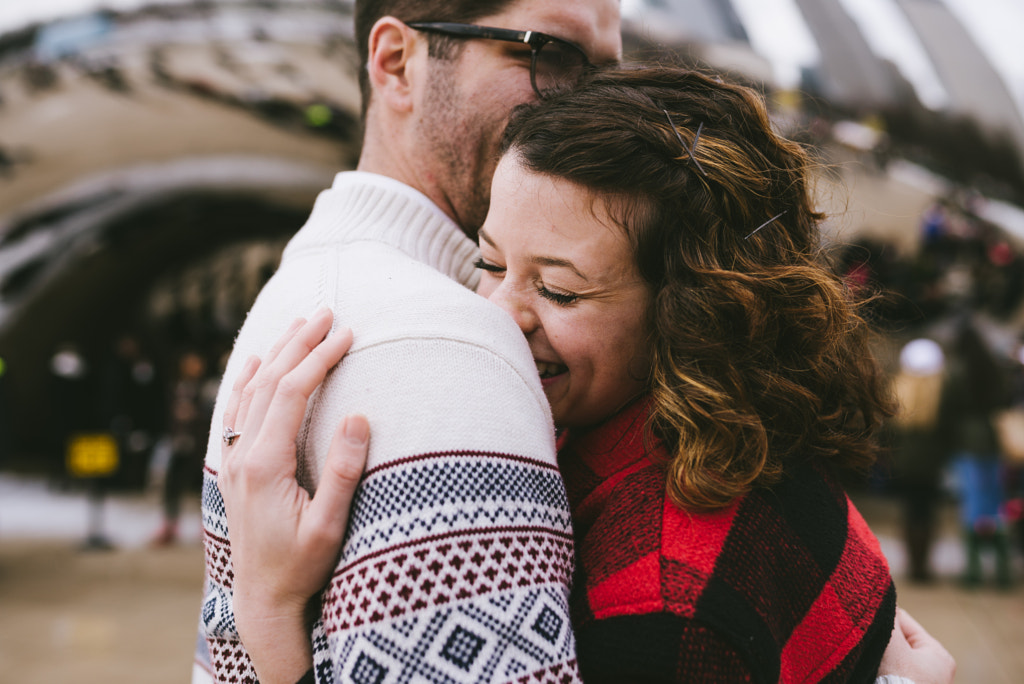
(915, 654)
(284, 544)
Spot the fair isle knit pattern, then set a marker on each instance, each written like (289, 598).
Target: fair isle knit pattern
(407, 596)
(459, 551)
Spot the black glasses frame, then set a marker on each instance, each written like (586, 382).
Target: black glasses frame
(535, 39)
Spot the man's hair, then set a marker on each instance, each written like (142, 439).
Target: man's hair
(368, 12)
(759, 356)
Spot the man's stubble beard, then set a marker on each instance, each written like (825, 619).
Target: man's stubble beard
(460, 145)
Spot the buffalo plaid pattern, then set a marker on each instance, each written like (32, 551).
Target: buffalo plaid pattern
(787, 584)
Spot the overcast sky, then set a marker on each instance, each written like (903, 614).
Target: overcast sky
(776, 30)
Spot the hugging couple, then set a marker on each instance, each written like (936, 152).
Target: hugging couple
(597, 393)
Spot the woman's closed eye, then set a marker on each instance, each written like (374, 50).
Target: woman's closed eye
(488, 266)
(560, 298)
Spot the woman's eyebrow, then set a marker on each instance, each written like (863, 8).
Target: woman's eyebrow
(561, 263)
(539, 260)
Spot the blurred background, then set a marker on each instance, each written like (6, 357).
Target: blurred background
(155, 157)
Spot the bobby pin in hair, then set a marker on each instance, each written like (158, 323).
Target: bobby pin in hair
(773, 219)
(691, 148)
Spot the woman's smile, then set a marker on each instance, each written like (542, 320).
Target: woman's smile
(550, 371)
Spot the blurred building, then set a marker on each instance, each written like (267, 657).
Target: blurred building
(71, 36)
(850, 73)
(687, 20)
(975, 89)
(155, 163)
(709, 32)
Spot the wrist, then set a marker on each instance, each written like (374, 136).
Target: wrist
(253, 605)
(278, 645)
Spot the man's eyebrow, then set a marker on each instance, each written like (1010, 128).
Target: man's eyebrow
(561, 263)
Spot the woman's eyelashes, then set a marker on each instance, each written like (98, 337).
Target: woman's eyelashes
(559, 298)
(487, 266)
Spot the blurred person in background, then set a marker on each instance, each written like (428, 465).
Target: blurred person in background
(1012, 438)
(188, 426)
(918, 455)
(131, 400)
(974, 390)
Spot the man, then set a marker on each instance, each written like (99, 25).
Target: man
(461, 480)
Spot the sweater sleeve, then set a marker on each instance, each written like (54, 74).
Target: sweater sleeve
(459, 552)
(458, 556)
(657, 647)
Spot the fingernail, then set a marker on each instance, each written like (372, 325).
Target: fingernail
(322, 313)
(296, 324)
(357, 430)
(251, 363)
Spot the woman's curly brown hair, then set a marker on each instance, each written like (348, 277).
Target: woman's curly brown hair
(759, 355)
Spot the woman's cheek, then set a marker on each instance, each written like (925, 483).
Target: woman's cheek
(487, 285)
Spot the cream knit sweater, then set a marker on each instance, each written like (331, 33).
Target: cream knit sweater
(459, 553)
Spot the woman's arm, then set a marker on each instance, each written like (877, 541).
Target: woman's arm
(285, 543)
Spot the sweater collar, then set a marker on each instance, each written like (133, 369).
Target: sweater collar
(361, 206)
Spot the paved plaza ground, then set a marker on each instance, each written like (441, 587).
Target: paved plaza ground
(129, 615)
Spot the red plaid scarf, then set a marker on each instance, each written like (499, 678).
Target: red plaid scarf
(784, 585)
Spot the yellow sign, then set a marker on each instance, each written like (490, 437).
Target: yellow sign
(92, 455)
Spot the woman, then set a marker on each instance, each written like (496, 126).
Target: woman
(656, 243)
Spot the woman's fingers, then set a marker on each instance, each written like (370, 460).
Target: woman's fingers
(285, 338)
(248, 388)
(911, 628)
(346, 460)
(282, 358)
(232, 415)
(287, 406)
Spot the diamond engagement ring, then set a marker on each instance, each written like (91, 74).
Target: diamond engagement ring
(230, 436)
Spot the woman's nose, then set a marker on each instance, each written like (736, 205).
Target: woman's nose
(516, 305)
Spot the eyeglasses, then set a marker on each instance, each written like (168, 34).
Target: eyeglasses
(555, 64)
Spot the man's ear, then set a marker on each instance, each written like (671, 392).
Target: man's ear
(390, 63)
